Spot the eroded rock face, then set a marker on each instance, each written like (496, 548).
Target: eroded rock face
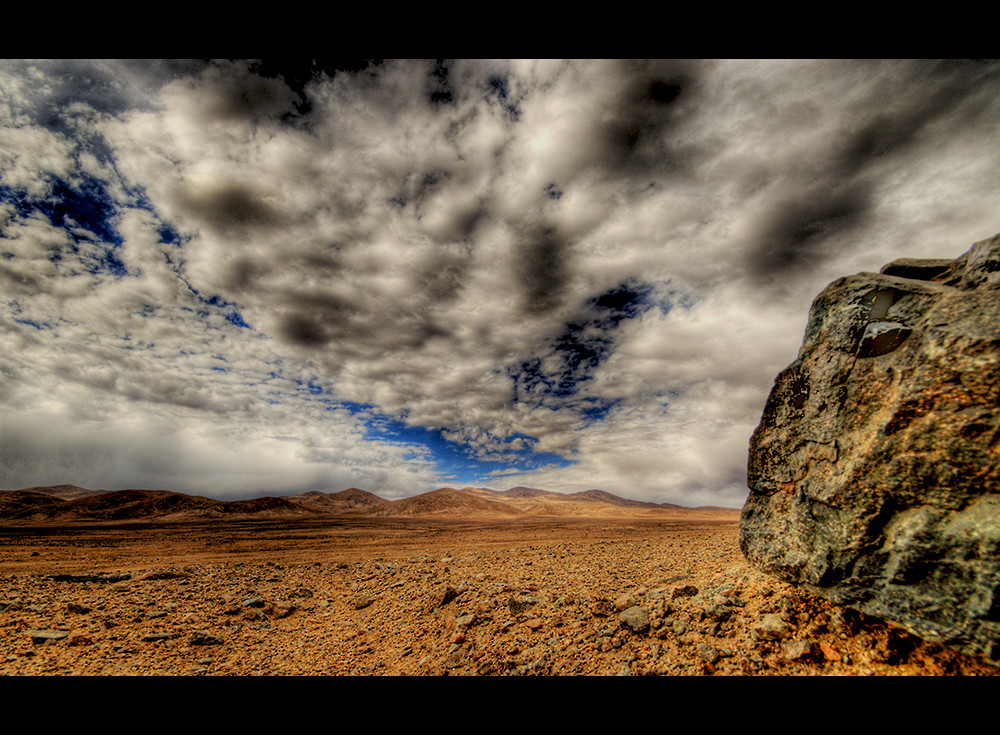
(875, 470)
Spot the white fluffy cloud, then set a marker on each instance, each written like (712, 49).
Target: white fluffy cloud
(601, 263)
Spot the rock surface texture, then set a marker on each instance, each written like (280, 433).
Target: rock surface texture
(875, 470)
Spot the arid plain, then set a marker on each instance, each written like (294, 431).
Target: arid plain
(455, 582)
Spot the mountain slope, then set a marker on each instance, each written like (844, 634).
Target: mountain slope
(69, 504)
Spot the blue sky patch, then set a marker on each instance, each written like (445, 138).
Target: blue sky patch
(583, 345)
(85, 207)
(456, 462)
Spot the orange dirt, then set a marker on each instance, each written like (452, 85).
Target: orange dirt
(579, 596)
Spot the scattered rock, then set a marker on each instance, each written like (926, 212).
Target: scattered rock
(444, 595)
(362, 600)
(684, 590)
(204, 639)
(520, 604)
(771, 626)
(798, 650)
(101, 578)
(829, 652)
(625, 601)
(284, 609)
(635, 618)
(601, 608)
(705, 630)
(165, 574)
(874, 469)
(44, 636)
(708, 654)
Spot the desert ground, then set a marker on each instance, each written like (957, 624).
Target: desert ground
(353, 596)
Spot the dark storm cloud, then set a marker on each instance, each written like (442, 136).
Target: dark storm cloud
(441, 277)
(541, 267)
(304, 329)
(243, 95)
(639, 126)
(231, 208)
(634, 121)
(903, 111)
(904, 107)
(791, 233)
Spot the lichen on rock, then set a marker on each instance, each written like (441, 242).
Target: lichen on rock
(875, 470)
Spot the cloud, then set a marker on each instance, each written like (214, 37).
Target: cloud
(386, 274)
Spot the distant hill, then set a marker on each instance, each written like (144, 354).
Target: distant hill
(66, 492)
(447, 501)
(71, 504)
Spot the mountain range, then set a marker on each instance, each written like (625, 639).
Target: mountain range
(69, 503)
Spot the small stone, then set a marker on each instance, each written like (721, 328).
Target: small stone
(519, 605)
(43, 636)
(684, 590)
(625, 601)
(798, 650)
(829, 652)
(708, 654)
(445, 594)
(204, 639)
(284, 609)
(636, 618)
(771, 626)
(362, 600)
(601, 607)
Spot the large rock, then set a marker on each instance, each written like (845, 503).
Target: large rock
(875, 470)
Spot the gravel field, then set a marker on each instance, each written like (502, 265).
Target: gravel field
(587, 597)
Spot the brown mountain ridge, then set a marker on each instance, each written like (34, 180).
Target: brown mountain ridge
(71, 504)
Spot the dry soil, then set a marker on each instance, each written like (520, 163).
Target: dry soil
(585, 597)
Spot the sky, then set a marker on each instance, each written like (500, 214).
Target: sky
(236, 278)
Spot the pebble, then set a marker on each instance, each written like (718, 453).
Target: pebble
(43, 636)
(771, 626)
(636, 618)
(204, 639)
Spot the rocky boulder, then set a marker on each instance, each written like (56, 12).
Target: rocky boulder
(875, 470)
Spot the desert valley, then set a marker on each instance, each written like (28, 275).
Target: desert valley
(452, 582)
